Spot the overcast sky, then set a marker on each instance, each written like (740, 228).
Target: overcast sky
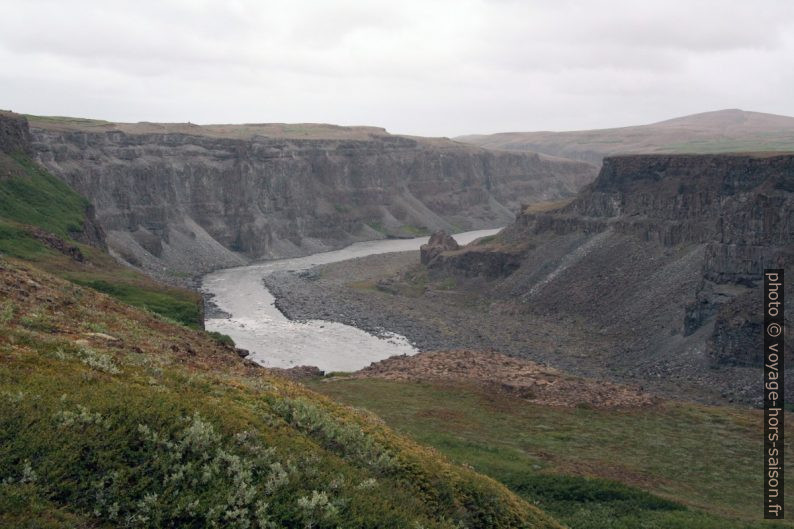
(413, 66)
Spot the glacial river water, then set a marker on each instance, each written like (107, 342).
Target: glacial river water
(274, 341)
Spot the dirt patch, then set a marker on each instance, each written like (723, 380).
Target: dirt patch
(604, 470)
(514, 377)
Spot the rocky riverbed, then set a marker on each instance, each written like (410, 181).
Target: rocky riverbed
(324, 293)
(389, 293)
(361, 292)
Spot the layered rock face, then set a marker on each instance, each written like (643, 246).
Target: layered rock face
(190, 199)
(14, 133)
(662, 253)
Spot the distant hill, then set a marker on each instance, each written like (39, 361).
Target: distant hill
(710, 132)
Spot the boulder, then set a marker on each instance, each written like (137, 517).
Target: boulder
(439, 242)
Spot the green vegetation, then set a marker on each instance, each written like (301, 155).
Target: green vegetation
(164, 427)
(485, 240)
(730, 145)
(65, 120)
(168, 302)
(404, 230)
(337, 374)
(448, 283)
(413, 284)
(416, 231)
(32, 198)
(711, 132)
(377, 226)
(22, 506)
(42, 200)
(671, 465)
(223, 339)
(17, 242)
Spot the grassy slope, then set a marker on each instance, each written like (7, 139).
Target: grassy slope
(160, 425)
(704, 459)
(33, 197)
(37, 198)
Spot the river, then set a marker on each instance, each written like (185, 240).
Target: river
(274, 341)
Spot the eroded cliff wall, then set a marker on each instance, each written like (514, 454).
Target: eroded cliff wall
(14, 133)
(191, 199)
(662, 255)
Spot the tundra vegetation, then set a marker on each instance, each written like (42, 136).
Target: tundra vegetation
(674, 464)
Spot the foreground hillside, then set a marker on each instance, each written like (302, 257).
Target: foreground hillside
(182, 199)
(669, 465)
(115, 416)
(709, 132)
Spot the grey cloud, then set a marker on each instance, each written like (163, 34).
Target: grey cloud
(441, 67)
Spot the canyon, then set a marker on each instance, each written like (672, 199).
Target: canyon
(645, 284)
(648, 274)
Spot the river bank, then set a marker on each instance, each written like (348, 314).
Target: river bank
(241, 306)
(431, 316)
(387, 293)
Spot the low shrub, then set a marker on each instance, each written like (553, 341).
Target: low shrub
(223, 339)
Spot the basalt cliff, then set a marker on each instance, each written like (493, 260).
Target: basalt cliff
(660, 259)
(181, 199)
